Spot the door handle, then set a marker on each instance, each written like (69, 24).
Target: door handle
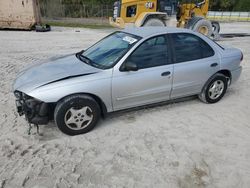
(165, 73)
(214, 65)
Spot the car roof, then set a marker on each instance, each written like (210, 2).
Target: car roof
(151, 31)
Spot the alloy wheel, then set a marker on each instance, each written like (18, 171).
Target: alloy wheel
(216, 89)
(78, 119)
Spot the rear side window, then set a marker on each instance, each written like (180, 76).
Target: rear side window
(188, 47)
(151, 53)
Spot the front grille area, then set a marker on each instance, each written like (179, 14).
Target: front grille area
(35, 111)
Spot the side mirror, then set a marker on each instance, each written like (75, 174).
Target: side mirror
(130, 66)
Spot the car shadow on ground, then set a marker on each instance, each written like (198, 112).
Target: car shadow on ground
(129, 115)
(51, 132)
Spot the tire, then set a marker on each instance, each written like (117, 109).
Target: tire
(77, 114)
(192, 22)
(207, 92)
(201, 25)
(154, 22)
(42, 28)
(216, 30)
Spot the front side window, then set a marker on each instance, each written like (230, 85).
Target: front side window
(151, 53)
(105, 53)
(188, 47)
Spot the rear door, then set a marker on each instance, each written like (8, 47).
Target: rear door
(194, 63)
(151, 83)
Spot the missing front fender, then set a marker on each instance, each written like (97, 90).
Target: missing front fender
(35, 111)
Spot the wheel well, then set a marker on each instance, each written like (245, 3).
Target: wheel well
(227, 73)
(98, 100)
(224, 72)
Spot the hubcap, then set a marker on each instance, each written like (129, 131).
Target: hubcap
(78, 119)
(216, 89)
(203, 30)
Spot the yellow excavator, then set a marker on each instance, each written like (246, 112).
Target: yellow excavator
(191, 14)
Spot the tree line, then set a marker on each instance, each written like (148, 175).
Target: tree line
(230, 5)
(216, 5)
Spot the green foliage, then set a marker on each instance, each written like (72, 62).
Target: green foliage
(75, 8)
(104, 8)
(224, 5)
(227, 4)
(230, 5)
(242, 5)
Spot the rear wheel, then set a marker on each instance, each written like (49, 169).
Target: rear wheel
(192, 22)
(154, 22)
(214, 89)
(204, 27)
(200, 25)
(77, 114)
(216, 29)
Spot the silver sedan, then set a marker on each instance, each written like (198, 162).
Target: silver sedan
(126, 69)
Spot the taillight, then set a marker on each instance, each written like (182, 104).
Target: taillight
(242, 56)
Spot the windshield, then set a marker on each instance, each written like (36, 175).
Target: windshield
(109, 50)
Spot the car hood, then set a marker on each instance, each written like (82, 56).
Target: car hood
(51, 71)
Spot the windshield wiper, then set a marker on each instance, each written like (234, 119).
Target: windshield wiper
(86, 60)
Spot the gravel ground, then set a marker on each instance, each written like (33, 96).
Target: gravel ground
(187, 144)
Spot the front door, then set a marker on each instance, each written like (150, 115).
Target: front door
(151, 83)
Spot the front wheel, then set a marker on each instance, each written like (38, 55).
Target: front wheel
(214, 89)
(77, 114)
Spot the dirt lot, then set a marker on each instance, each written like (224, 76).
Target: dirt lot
(187, 144)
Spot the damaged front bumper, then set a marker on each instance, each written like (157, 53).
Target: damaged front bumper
(35, 111)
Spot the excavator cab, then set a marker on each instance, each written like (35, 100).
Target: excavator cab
(167, 6)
